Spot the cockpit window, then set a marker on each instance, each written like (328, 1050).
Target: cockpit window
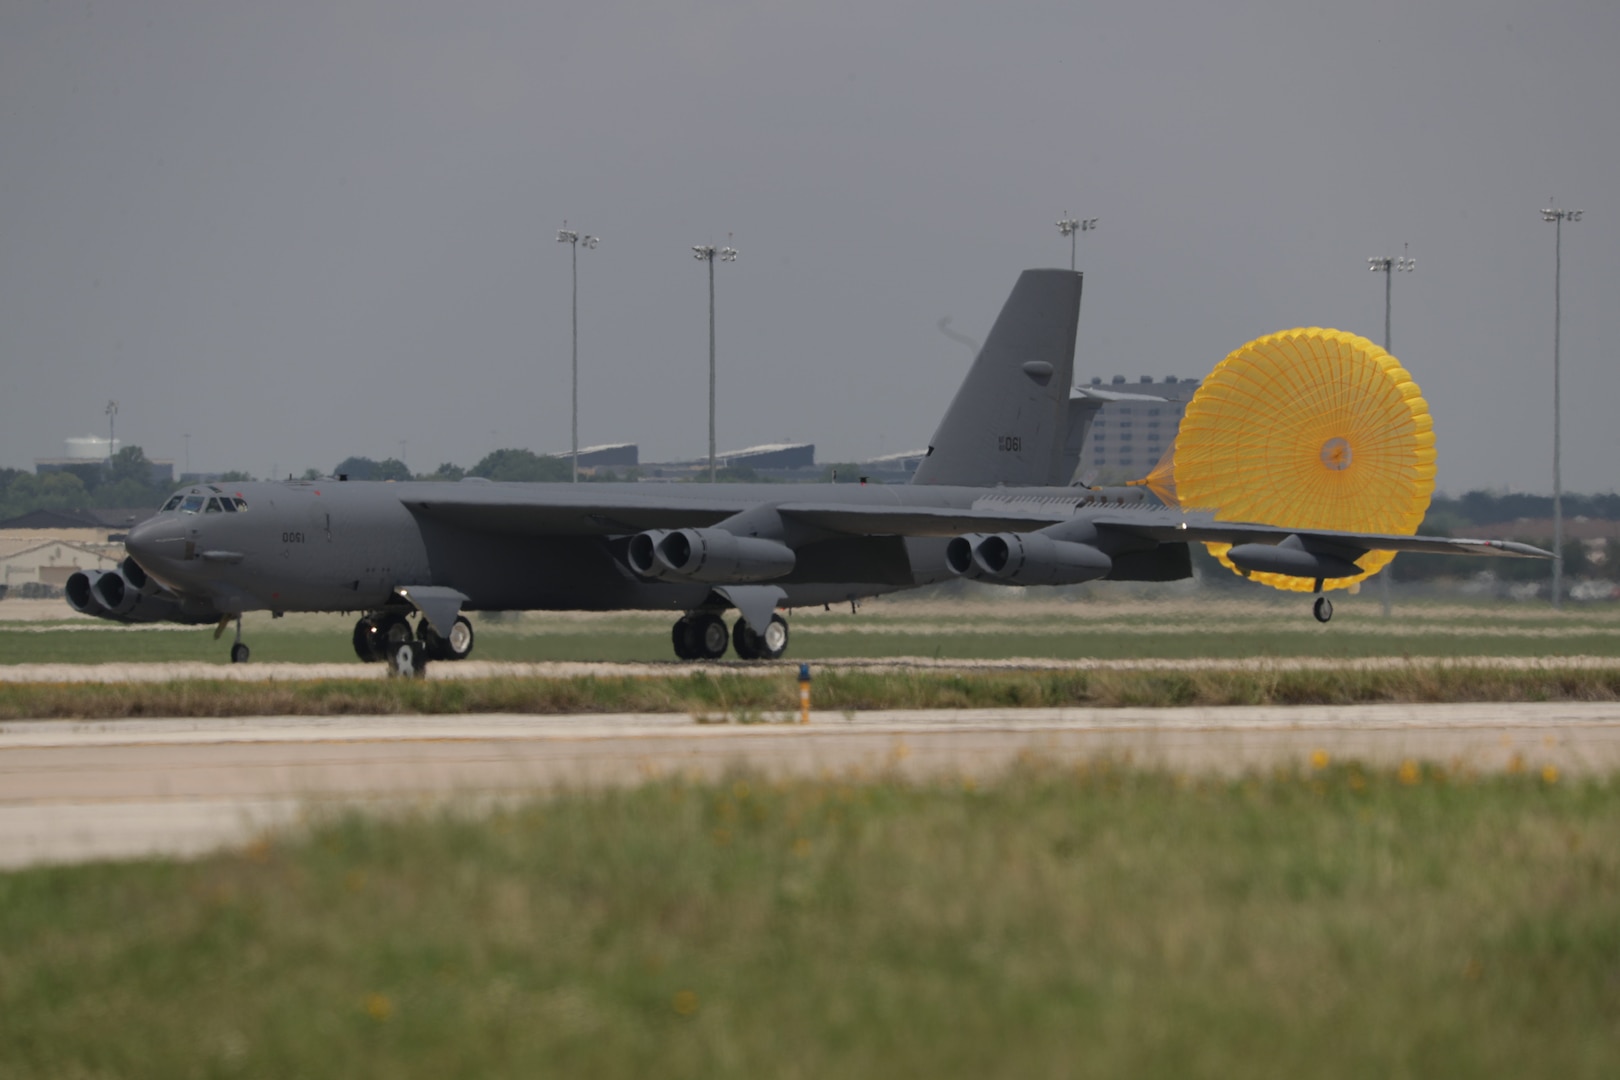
(211, 507)
(240, 503)
(192, 504)
(227, 504)
(174, 501)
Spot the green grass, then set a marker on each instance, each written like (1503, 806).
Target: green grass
(1091, 922)
(1193, 627)
(719, 694)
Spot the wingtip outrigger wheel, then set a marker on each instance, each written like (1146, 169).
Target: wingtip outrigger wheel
(1322, 609)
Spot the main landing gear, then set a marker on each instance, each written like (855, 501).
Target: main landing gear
(387, 637)
(702, 635)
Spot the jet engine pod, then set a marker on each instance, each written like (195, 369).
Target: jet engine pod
(709, 555)
(81, 593)
(959, 554)
(643, 553)
(133, 599)
(1037, 559)
(164, 607)
(136, 575)
(115, 594)
(1292, 559)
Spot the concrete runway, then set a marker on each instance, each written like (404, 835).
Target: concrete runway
(74, 790)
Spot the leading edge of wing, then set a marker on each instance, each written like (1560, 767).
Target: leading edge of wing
(529, 510)
(1205, 528)
(568, 512)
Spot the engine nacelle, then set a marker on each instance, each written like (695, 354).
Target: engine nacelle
(1292, 558)
(708, 555)
(1031, 558)
(127, 595)
(81, 592)
(959, 554)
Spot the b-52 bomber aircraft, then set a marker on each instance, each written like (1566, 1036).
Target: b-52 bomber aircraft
(992, 500)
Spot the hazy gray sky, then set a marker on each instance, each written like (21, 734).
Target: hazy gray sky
(305, 230)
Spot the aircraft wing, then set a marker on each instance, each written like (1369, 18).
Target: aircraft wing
(632, 508)
(497, 509)
(918, 520)
(1168, 526)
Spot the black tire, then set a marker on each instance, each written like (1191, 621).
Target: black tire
(240, 653)
(366, 642)
(681, 637)
(459, 644)
(745, 641)
(1322, 609)
(768, 646)
(456, 646)
(774, 641)
(709, 637)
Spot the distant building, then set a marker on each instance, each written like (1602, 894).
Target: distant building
(609, 455)
(106, 522)
(893, 468)
(772, 456)
(39, 563)
(1132, 436)
(774, 461)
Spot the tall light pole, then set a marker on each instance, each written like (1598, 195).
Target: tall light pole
(112, 416)
(1070, 227)
(187, 438)
(573, 238)
(707, 253)
(1388, 267)
(1558, 217)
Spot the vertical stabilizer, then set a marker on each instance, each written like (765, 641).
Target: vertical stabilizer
(1008, 422)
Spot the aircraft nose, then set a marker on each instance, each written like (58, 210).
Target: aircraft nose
(156, 539)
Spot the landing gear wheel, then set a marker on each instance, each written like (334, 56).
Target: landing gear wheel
(407, 660)
(460, 642)
(454, 647)
(366, 642)
(709, 636)
(375, 636)
(240, 653)
(767, 646)
(1322, 609)
(682, 637)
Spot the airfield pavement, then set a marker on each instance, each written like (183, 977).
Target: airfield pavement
(74, 790)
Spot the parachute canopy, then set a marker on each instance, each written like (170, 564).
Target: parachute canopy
(1312, 428)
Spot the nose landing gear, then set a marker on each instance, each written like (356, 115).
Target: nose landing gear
(240, 653)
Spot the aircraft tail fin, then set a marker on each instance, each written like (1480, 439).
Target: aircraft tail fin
(1009, 420)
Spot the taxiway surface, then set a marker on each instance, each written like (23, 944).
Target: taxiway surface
(74, 790)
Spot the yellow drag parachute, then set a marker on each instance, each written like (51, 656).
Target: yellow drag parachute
(1312, 428)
